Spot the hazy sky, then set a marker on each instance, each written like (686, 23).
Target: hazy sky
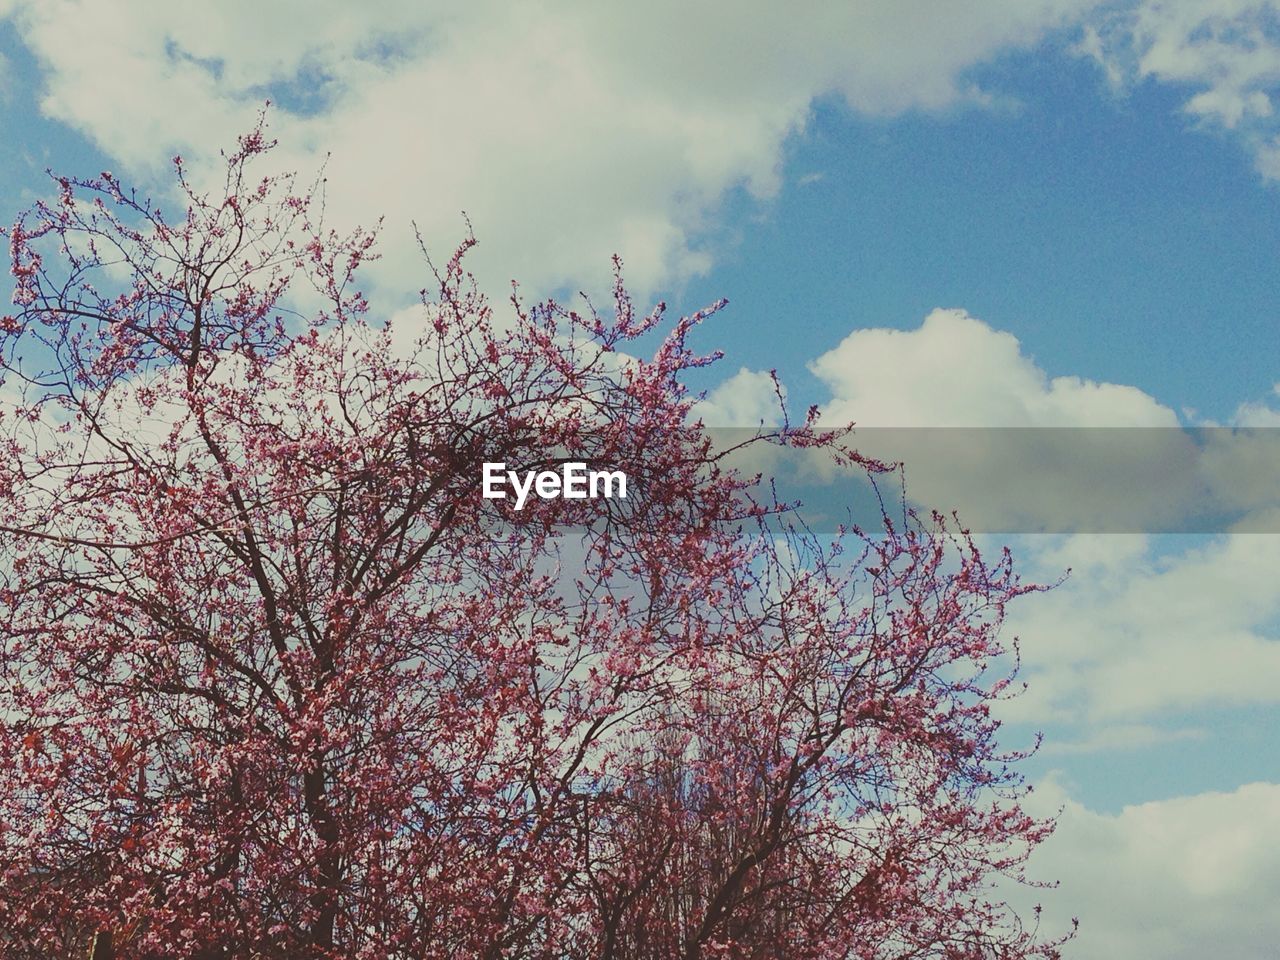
(1011, 212)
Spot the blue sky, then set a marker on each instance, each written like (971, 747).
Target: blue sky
(1115, 239)
(1068, 211)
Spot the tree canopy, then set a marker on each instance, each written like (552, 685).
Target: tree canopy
(277, 681)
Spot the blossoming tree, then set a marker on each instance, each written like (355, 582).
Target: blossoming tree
(276, 681)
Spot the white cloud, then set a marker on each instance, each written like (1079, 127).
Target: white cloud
(1257, 413)
(1180, 879)
(1120, 736)
(567, 131)
(1138, 632)
(1225, 53)
(749, 398)
(956, 371)
(1134, 636)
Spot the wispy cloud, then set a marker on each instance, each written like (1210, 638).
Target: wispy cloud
(1224, 53)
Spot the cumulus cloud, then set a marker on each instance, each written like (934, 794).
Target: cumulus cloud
(937, 397)
(957, 371)
(567, 132)
(1137, 634)
(984, 430)
(1178, 879)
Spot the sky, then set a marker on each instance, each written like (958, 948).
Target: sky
(1003, 213)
